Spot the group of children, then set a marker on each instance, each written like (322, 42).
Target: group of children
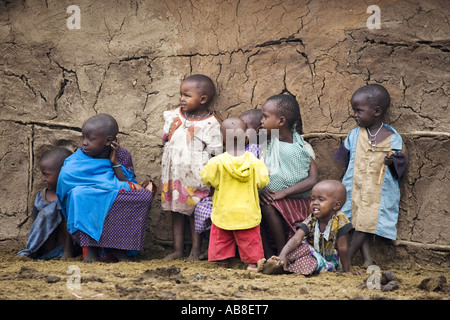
(249, 182)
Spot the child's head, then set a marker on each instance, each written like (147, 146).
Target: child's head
(252, 119)
(369, 104)
(98, 133)
(279, 111)
(197, 92)
(233, 134)
(50, 165)
(327, 198)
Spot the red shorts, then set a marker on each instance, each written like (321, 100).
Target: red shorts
(222, 244)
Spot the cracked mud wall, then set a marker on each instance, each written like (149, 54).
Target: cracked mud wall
(129, 57)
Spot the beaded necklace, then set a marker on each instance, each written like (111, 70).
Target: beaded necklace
(373, 137)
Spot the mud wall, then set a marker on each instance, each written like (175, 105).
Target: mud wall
(127, 58)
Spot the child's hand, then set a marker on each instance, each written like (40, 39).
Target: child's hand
(265, 196)
(388, 159)
(355, 273)
(278, 195)
(114, 152)
(282, 259)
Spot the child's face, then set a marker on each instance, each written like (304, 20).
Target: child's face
(94, 142)
(365, 113)
(191, 98)
(49, 173)
(270, 119)
(323, 201)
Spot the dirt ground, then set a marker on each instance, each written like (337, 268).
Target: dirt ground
(150, 277)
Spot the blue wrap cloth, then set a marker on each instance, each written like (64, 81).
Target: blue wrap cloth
(86, 190)
(47, 216)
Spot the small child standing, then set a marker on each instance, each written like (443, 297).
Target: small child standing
(293, 172)
(373, 192)
(321, 241)
(203, 209)
(236, 176)
(48, 237)
(191, 134)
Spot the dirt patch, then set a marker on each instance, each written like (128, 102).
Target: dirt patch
(149, 277)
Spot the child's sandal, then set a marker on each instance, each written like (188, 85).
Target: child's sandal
(154, 187)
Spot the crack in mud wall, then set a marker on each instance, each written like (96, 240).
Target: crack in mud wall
(128, 59)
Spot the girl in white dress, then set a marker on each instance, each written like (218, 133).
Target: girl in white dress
(191, 134)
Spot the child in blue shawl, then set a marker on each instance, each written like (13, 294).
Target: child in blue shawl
(48, 237)
(91, 179)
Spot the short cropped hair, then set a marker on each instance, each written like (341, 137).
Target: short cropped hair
(376, 94)
(287, 106)
(106, 123)
(57, 156)
(204, 84)
(255, 116)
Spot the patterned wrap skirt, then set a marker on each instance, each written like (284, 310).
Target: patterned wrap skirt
(125, 224)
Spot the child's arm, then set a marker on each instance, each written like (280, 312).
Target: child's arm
(209, 174)
(396, 162)
(342, 247)
(342, 155)
(115, 161)
(302, 186)
(291, 245)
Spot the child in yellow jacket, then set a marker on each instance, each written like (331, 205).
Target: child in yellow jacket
(237, 176)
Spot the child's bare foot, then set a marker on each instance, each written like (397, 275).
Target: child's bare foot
(174, 255)
(67, 253)
(121, 255)
(203, 256)
(91, 255)
(194, 255)
(368, 263)
(224, 264)
(66, 256)
(252, 267)
(260, 265)
(273, 266)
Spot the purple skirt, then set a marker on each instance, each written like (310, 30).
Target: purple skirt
(125, 224)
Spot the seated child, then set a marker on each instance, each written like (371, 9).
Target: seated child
(203, 210)
(293, 172)
(236, 176)
(103, 205)
(373, 193)
(321, 240)
(48, 237)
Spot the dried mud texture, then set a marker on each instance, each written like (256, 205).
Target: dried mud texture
(156, 279)
(129, 58)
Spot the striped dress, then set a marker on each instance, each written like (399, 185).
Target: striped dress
(288, 164)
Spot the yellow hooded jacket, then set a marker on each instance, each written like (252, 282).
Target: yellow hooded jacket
(236, 180)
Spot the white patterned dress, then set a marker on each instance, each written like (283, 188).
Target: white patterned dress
(189, 147)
